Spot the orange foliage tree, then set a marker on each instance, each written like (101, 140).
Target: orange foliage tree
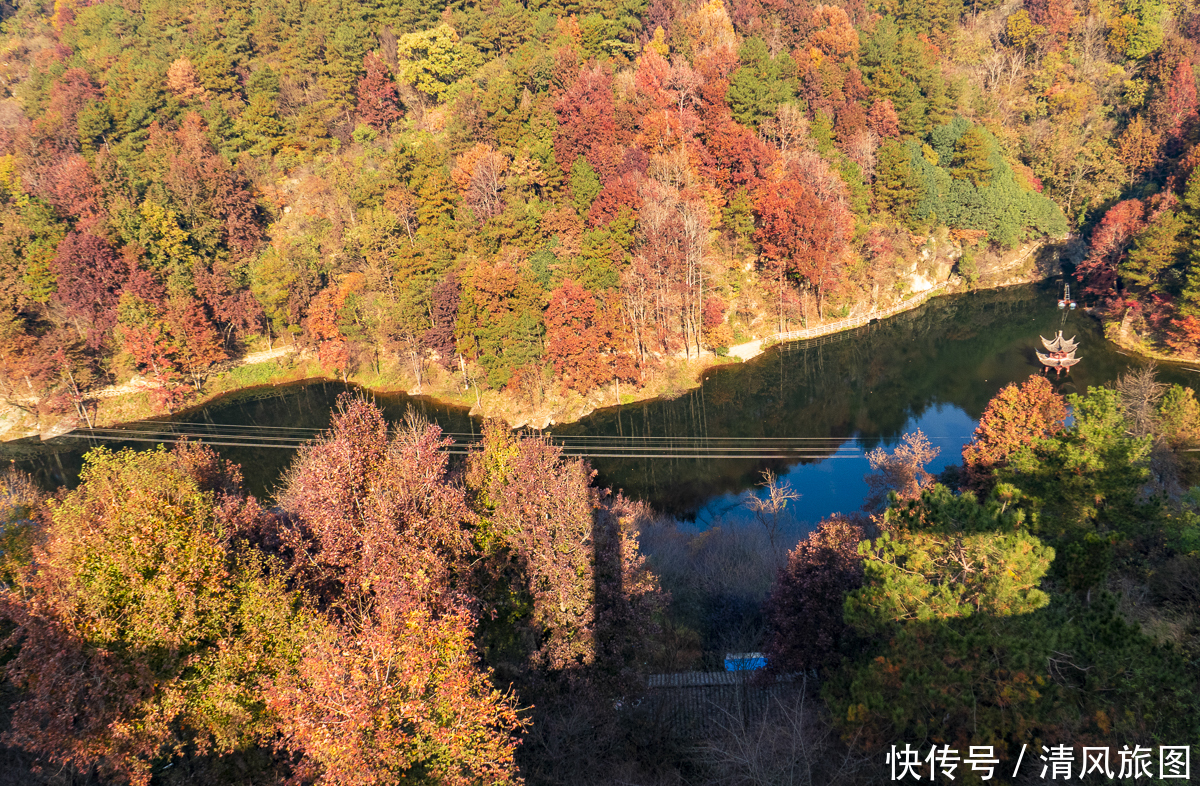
(141, 626)
(575, 551)
(377, 532)
(803, 234)
(199, 343)
(1017, 416)
(581, 339)
(325, 324)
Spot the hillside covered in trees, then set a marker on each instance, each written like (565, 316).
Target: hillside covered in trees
(549, 197)
(1044, 593)
(394, 616)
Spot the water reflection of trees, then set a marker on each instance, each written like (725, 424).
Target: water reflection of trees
(870, 384)
(957, 350)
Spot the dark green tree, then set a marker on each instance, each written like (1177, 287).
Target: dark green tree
(585, 184)
(972, 158)
(1083, 488)
(970, 648)
(1156, 262)
(898, 189)
(763, 83)
(738, 216)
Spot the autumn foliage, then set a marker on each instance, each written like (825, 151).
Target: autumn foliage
(646, 154)
(1109, 244)
(161, 616)
(378, 98)
(142, 627)
(582, 340)
(1016, 417)
(804, 226)
(805, 608)
(591, 594)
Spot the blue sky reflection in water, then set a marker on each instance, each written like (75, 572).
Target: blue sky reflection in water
(836, 484)
(935, 367)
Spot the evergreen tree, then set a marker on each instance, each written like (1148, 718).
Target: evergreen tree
(259, 126)
(343, 64)
(1083, 488)
(935, 18)
(1006, 209)
(758, 88)
(1189, 300)
(585, 185)
(971, 161)
(897, 187)
(738, 216)
(1154, 264)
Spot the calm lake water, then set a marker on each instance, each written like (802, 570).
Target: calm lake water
(934, 368)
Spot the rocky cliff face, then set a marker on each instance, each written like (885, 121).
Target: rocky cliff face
(943, 256)
(1031, 262)
(934, 264)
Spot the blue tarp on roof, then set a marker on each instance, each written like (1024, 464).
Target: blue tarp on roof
(745, 661)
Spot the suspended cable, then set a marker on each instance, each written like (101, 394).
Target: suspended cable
(224, 440)
(569, 444)
(182, 425)
(463, 450)
(572, 445)
(211, 428)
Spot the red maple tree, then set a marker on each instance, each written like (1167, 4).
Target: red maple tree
(805, 234)
(377, 532)
(199, 344)
(378, 98)
(1184, 335)
(1110, 241)
(804, 611)
(587, 123)
(580, 339)
(156, 352)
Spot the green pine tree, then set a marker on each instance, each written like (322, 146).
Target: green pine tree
(1156, 261)
(758, 88)
(738, 216)
(585, 185)
(897, 187)
(971, 158)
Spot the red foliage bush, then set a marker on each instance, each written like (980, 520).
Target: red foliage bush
(804, 611)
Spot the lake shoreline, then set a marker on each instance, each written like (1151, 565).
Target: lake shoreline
(809, 410)
(1124, 336)
(563, 409)
(499, 404)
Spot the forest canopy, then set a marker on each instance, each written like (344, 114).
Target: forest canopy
(395, 184)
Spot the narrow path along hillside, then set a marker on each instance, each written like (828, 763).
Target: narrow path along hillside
(752, 349)
(14, 421)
